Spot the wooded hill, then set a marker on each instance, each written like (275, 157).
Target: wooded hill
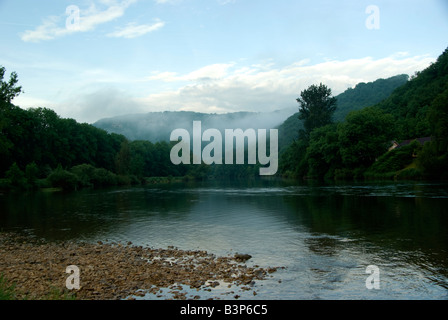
(39, 148)
(361, 96)
(358, 146)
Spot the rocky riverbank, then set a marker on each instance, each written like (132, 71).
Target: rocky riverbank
(111, 271)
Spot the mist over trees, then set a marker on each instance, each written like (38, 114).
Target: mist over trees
(39, 149)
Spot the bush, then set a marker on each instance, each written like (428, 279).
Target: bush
(102, 177)
(31, 173)
(392, 162)
(343, 174)
(63, 179)
(84, 173)
(410, 174)
(16, 177)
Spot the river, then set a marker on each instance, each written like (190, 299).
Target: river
(323, 235)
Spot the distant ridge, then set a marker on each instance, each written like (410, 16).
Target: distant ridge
(157, 126)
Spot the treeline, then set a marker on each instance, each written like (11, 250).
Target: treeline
(38, 148)
(357, 148)
(352, 99)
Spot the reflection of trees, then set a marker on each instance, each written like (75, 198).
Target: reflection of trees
(424, 220)
(414, 228)
(62, 216)
(324, 245)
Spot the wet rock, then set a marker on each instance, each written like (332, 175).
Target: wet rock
(241, 257)
(112, 271)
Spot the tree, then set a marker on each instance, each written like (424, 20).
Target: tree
(322, 153)
(63, 179)
(364, 136)
(8, 90)
(31, 172)
(316, 107)
(16, 177)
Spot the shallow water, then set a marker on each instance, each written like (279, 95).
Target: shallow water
(324, 235)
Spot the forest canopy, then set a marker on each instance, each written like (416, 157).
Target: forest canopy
(38, 148)
(356, 146)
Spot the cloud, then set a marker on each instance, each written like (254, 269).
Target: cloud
(220, 87)
(133, 31)
(52, 27)
(224, 2)
(265, 87)
(104, 102)
(207, 73)
(167, 1)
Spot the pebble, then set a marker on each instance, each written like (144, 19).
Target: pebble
(111, 271)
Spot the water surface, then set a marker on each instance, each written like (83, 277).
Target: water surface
(324, 235)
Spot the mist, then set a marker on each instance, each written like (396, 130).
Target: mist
(157, 126)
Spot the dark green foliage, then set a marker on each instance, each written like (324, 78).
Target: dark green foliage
(85, 174)
(410, 103)
(42, 143)
(8, 89)
(292, 162)
(419, 108)
(323, 154)
(352, 99)
(316, 107)
(391, 163)
(102, 178)
(288, 131)
(63, 179)
(364, 136)
(31, 175)
(41, 136)
(16, 177)
(366, 94)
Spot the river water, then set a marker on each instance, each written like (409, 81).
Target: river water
(324, 236)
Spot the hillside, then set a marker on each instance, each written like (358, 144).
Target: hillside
(361, 96)
(410, 104)
(157, 126)
(359, 146)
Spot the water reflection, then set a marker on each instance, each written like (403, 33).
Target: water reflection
(325, 235)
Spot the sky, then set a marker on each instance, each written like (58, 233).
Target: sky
(94, 59)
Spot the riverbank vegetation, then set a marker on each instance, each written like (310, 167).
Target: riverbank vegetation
(367, 144)
(39, 149)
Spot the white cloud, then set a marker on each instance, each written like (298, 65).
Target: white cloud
(218, 88)
(55, 26)
(207, 73)
(104, 102)
(224, 2)
(265, 87)
(167, 1)
(132, 30)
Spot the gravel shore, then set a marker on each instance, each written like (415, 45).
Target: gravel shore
(113, 271)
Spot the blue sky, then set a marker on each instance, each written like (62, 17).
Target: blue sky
(133, 56)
